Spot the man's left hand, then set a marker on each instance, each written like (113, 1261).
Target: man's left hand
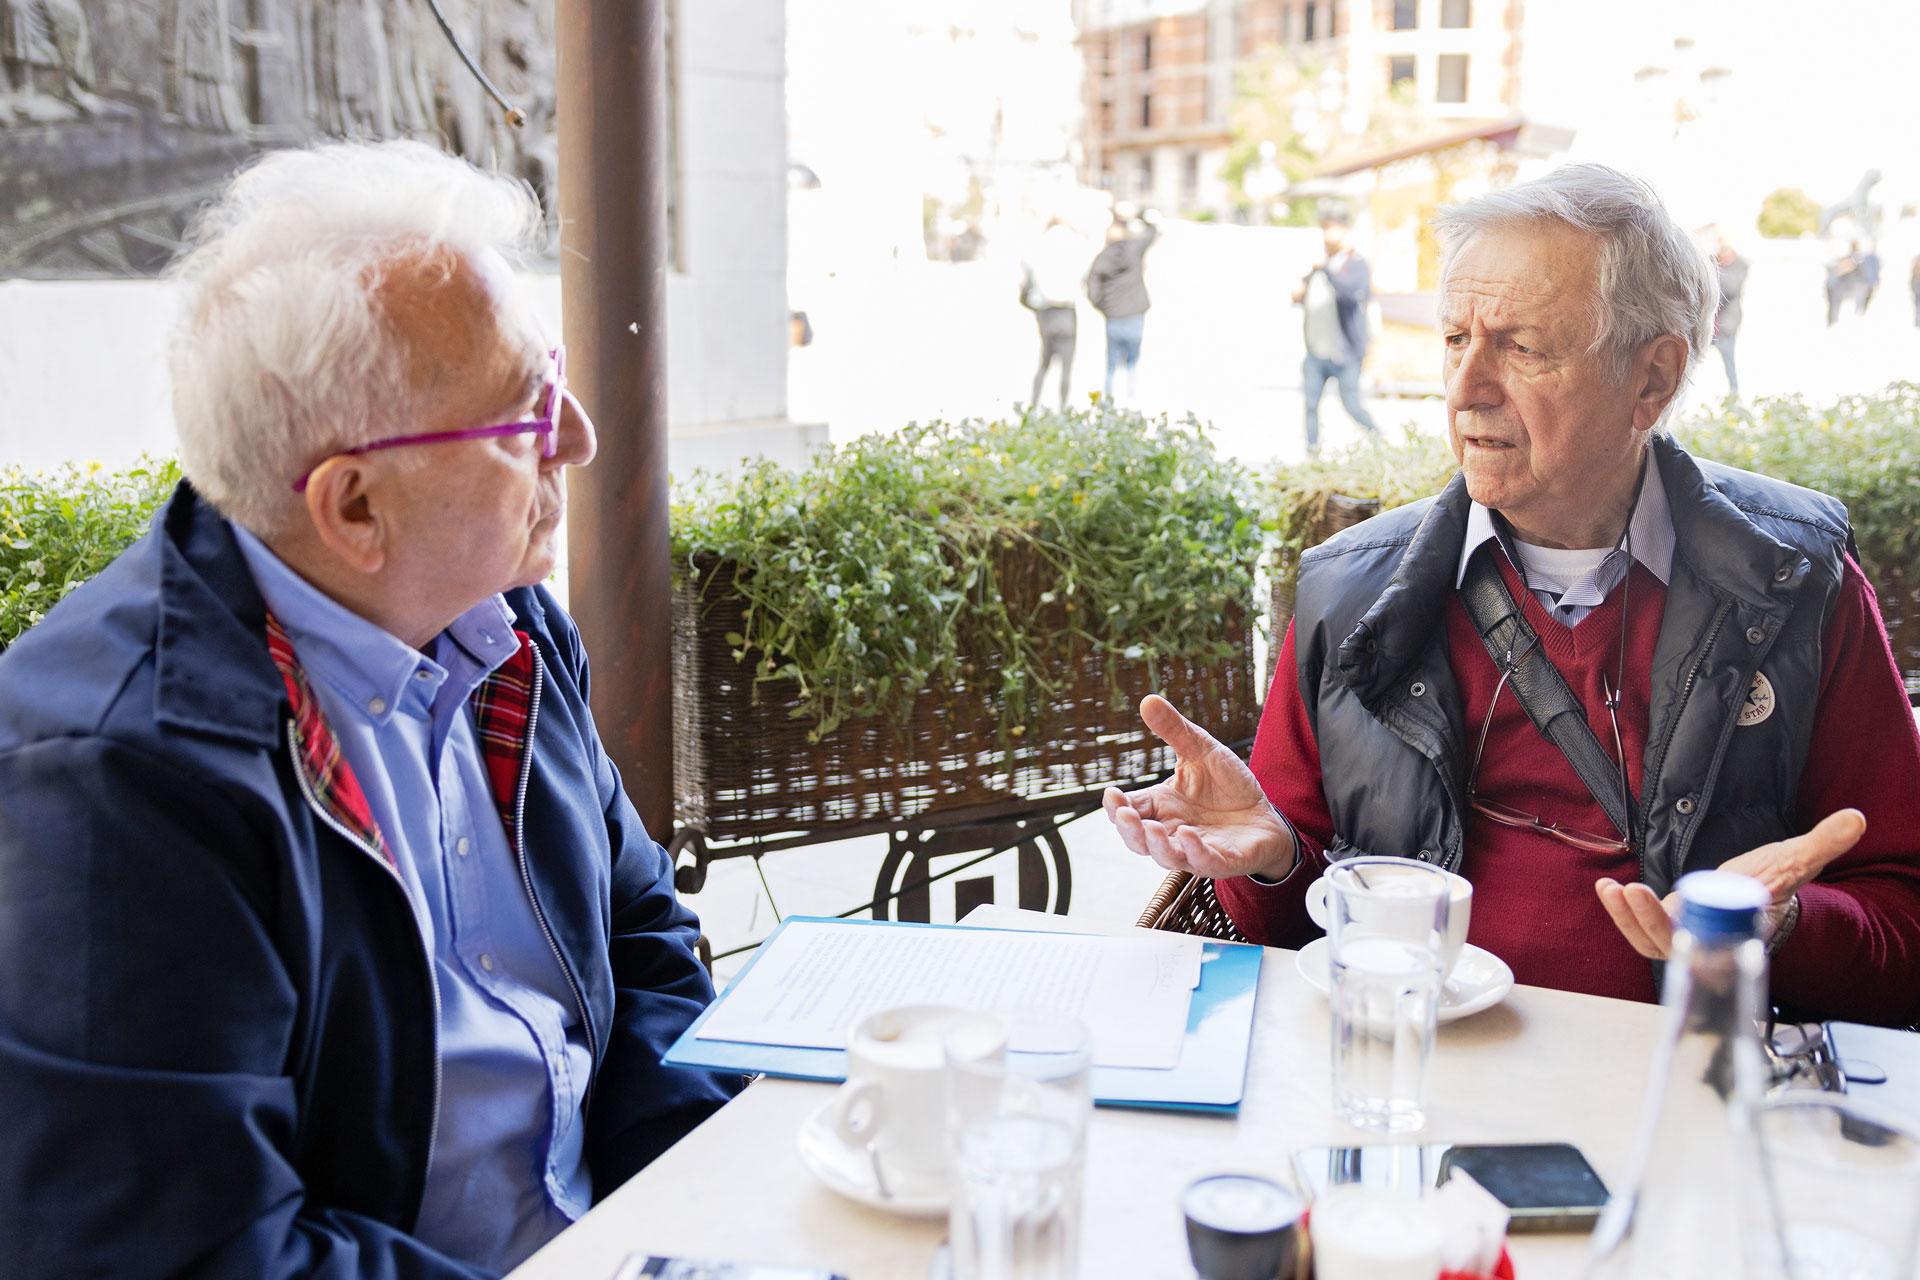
(1785, 867)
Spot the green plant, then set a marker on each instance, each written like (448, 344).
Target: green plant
(1296, 495)
(1862, 449)
(1787, 213)
(59, 528)
(951, 552)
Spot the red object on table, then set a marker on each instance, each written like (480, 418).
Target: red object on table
(1503, 1271)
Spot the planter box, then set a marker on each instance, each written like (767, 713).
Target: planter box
(744, 770)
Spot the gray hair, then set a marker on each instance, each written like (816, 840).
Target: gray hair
(282, 353)
(1654, 279)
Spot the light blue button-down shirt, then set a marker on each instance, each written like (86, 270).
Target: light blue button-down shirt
(508, 1172)
(1570, 598)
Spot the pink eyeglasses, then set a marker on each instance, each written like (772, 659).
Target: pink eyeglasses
(547, 426)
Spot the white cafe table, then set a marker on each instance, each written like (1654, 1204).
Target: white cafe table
(1544, 1066)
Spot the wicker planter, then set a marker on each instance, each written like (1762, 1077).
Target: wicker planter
(744, 770)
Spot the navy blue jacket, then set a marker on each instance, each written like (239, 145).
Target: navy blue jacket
(216, 1016)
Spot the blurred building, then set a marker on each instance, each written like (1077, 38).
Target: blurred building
(1168, 84)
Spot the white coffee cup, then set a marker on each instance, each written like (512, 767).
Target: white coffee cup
(894, 1100)
(1459, 913)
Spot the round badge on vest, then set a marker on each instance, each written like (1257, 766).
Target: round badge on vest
(1760, 701)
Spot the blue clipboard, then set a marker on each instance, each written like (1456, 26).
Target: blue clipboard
(1210, 1076)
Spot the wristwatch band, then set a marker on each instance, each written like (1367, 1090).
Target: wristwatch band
(1788, 919)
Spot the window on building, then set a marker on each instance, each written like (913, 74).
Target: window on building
(1309, 12)
(1143, 177)
(1190, 177)
(1146, 110)
(1146, 50)
(1450, 78)
(1400, 71)
(1456, 13)
(1405, 15)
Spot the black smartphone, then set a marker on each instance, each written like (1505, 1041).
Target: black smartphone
(1547, 1186)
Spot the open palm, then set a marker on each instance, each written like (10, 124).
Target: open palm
(1210, 817)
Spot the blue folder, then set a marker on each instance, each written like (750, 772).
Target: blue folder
(1210, 1076)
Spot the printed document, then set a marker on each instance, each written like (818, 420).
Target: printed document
(815, 979)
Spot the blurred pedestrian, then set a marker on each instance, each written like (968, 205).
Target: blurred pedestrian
(1843, 282)
(1050, 288)
(1334, 296)
(1726, 319)
(1117, 284)
(1915, 282)
(1869, 276)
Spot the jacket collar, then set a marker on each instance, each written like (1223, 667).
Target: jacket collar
(212, 674)
(1397, 630)
(1712, 537)
(1720, 544)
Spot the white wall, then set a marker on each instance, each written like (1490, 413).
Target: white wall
(83, 363)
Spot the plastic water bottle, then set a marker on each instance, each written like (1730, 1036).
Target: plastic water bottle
(1691, 1206)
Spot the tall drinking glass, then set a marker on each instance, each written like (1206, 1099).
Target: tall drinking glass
(1017, 1126)
(1844, 1181)
(1387, 930)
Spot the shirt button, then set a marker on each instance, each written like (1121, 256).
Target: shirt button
(377, 705)
(423, 674)
(462, 845)
(486, 962)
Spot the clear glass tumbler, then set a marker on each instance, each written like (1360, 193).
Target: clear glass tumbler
(1387, 929)
(1017, 1127)
(1844, 1182)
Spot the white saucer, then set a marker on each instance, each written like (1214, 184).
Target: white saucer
(849, 1171)
(1480, 979)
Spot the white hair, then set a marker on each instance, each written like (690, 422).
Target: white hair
(1654, 279)
(283, 353)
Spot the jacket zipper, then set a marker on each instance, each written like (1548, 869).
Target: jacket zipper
(1650, 785)
(526, 876)
(433, 982)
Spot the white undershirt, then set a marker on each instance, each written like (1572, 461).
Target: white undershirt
(1569, 583)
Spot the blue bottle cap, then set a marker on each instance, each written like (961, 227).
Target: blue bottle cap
(1721, 904)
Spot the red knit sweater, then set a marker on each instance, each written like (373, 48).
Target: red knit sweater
(1856, 951)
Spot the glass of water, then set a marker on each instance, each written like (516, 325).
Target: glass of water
(1844, 1182)
(1387, 929)
(1017, 1128)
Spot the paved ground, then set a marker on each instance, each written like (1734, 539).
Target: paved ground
(1221, 342)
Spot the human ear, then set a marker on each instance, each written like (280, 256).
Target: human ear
(1662, 365)
(341, 504)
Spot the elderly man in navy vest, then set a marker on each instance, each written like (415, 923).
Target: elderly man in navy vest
(1741, 707)
(330, 944)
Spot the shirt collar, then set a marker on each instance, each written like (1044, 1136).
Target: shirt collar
(374, 670)
(1652, 527)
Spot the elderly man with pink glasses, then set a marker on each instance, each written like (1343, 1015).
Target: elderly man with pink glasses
(1590, 665)
(330, 944)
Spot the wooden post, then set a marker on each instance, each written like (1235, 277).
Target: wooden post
(612, 107)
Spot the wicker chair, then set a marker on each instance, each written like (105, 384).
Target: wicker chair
(1185, 903)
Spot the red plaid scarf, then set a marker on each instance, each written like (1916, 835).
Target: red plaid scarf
(501, 707)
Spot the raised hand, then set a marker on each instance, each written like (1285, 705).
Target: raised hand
(1785, 867)
(1210, 817)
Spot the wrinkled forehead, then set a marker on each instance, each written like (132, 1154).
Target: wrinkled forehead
(1538, 274)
